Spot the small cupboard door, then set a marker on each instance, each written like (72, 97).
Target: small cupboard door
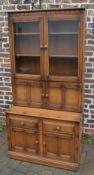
(24, 140)
(27, 35)
(64, 53)
(24, 135)
(59, 140)
(29, 93)
(59, 147)
(63, 96)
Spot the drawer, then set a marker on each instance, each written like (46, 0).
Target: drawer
(23, 122)
(58, 126)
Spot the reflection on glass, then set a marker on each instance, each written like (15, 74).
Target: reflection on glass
(26, 27)
(63, 45)
(59, 66)
(27, 44)
(63, 26)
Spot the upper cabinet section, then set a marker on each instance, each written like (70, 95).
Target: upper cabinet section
(47, 45)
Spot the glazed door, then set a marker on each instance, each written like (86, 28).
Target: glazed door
(27, 50)
(63, 55)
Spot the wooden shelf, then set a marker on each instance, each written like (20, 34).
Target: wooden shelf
(27, 33)
(63, 33)
(27, 55)
(63, 56)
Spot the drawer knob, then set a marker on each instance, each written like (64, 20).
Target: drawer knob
(36, 141)
(58, 128)
(46, 95)
(44, 143)
(43, 95)
(22, 123)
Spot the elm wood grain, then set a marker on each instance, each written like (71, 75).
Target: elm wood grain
(36, 134)
(45, 113)
(43, 18)
(50, 95)
(49, 138)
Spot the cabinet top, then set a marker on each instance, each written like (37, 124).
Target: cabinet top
(43, 11)
(45, 113)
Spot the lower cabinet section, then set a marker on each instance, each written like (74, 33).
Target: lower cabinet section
(36, 138)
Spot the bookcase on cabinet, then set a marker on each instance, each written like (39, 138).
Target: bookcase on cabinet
(44, 124)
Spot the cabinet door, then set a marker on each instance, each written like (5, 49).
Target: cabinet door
(64, 50)
(24, 135)
(24, 140)
(63, 96)
(60, 147)
(27, 35)
(59, 140)
(29, 93)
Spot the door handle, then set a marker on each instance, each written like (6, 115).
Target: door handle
(41, 46)
(46, 95)
(43, 95)
(45, 46)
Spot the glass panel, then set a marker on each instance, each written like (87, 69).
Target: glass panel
(28, 65)
(63, 66)
(27, 47)
(63, 45)
(26, 27)
(63, 26)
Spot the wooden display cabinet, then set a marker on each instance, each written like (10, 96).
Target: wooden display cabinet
(44, 124)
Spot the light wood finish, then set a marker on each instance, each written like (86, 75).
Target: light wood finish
(49, 134)
(45, 122)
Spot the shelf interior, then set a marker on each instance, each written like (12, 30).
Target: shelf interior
(28, 65)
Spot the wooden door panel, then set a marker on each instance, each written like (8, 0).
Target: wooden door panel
(24, 140)
(31, 142)
(59, 147)
(55, 96)
(36, 90)
(17, 139)
(66, 147)
(72, 97)
(28, 93)
(64, 96)
(21, 93)
(50, 145)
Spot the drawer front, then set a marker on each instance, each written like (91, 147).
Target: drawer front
(23, 122)
(58, 126)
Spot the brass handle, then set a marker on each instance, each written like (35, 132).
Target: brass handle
(22, 123)
(46, 95)
(36, 141)
(58, 128)
(41, 46)
(45, 46)
(44, 143)
(43, 95)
